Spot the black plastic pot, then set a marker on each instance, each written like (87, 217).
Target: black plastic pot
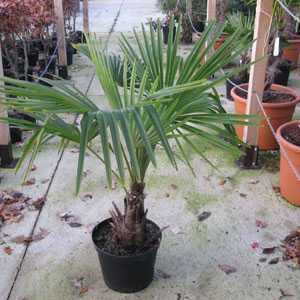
(165, 30)
(230, 84)
(126, 274)
(33, 57)
(70, 53)
(283, 73)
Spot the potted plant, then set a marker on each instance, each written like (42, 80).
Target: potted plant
(174, 102)
(292, 50)
(289, 139)
(244, 23)
(279, 103)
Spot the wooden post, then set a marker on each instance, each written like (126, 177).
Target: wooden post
(260, 47)
(6, 155)
(86, 16)
(61, 40)
(211, 10)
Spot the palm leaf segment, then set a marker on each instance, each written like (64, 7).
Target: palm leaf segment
(162, 97)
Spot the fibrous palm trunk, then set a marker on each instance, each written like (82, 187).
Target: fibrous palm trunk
(129, 228)
(187, 31)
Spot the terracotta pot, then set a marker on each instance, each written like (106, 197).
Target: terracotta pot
(289, 184)
(278, 113)
(292, 51)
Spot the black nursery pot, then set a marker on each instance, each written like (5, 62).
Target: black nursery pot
(283, 73)
(165, 30)
(126, 274)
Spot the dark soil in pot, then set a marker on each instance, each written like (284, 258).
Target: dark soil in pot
(126, 270)
(270, 96)
(292, 134)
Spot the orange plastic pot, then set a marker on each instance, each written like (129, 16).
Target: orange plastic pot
(292, 51)
(278, 113)
(289, 184)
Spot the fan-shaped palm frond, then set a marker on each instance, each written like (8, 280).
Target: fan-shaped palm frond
(174, 100)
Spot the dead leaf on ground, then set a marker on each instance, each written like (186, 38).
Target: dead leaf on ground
(167, 195)
(291, 247)
(284, 294)
(162, 274)
(45, 181)
(33, 168)
(269, 250)
(203, 216)
(22, 239)
(274, 261)
(254, 181)
(174, 186)
(79, 284)
(8, 250)
(72, 220)
(260, 224)
(30, 181)
(227, 269)
(12, 204)
(39, 203)
(255, 245)
(87, 197)
(276, 189)
(243, 195)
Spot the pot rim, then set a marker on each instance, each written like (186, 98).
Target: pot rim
(269, 105)
(125, 256)
(283, 141)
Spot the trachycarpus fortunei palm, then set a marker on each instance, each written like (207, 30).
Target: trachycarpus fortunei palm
(165, 98)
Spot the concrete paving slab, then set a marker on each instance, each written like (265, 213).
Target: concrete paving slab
(9, 264)
(191, 251)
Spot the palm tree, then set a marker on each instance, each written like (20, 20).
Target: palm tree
(167, 99)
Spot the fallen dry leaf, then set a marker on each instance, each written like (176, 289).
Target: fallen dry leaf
(254, 181)
(291, 247)
(269, 250)
(30, 181)
(72, 220)
(86, 197)
(227, 269)
(33, 168)
(276, 189)
(162, 274)
(274, 261)
(21, 239)
(203, 216)
(79, 284)
(174, 186)
(167, 195)
(255, 245)
(260, 224)
(8, 250)
(12, 204)
(243, 195)
(39, 203)
(45, 181)
(284, 294)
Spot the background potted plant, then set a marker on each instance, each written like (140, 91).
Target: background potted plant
(289, 139)
(172, 103)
